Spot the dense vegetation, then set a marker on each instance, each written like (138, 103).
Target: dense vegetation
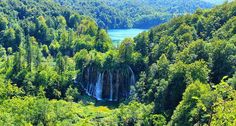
(186, 68)
(133, 13)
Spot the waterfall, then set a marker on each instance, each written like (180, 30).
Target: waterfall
(111, 86)
(99, 87)
(132, 79)
(117, 86)
(88, 82)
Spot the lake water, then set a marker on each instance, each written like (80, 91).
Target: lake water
(117, 35)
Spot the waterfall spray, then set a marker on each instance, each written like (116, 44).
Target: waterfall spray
(99, 87)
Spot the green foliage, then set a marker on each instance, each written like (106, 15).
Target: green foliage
(102, 41)
(158, 120)
(138, 14)
(133, 114)
(232, 81)
(223, 57)
(45, 49)
(40, 111)
(202, 105)
(126, 50)
(3, 23)
(193, 108)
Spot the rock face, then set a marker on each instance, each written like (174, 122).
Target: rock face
(110, 85)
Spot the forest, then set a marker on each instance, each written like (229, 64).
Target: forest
(58, 67)
(112, 14)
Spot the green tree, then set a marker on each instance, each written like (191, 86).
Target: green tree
(158, 120)
(42, 30)
(223, 57)
(126, 49)
(60, 61)
(193, 109)
(29, 52)
(3, 23)
(142, 43)
(72, 94)
(163, 67)
(102, 41)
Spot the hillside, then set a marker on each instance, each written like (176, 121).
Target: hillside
(184, 55)
(133, 13)
(59, 68)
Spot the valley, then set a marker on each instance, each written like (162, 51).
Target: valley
(117, 63)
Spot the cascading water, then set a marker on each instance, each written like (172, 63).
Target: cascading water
(111, 86)
(99, 87)
(132, 79)
(100, 84)
(117, 86)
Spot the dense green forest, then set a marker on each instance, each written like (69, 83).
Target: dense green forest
(133, 13)
(185, 69)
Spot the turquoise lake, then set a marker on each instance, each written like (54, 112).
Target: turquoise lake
(117, 35)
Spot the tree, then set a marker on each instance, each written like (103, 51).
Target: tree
(61, 22)
(142, 43)
(223, 57)
(60, 61)
(9, 38)
(232, 81)
(193, 109)
(102, 41)
(54, 47)
(126, 49)
(163, 67)
(133, 114)
(198, 50)
(224, 107)
(82, 59)
(29, 51)
(158, 120)
(42, 30)
(72, 94)
(3, 23)
(180, 76)
(74, 20)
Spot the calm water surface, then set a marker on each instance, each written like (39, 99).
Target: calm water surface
(117, 35)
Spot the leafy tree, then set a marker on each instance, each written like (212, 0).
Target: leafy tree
(126, 49)
(223, 57)
(3, 23)
(158, 120)
(42, 30)
(142, 43)
(72, 94)
(60, 63)
(102, 41)
(194, 106)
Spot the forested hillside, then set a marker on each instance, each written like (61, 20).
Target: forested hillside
(133, 13)
(59, 68)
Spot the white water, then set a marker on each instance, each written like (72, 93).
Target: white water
(111, 86)
(117, 87)
(99, 87)
(95, 88)
(132, 80)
